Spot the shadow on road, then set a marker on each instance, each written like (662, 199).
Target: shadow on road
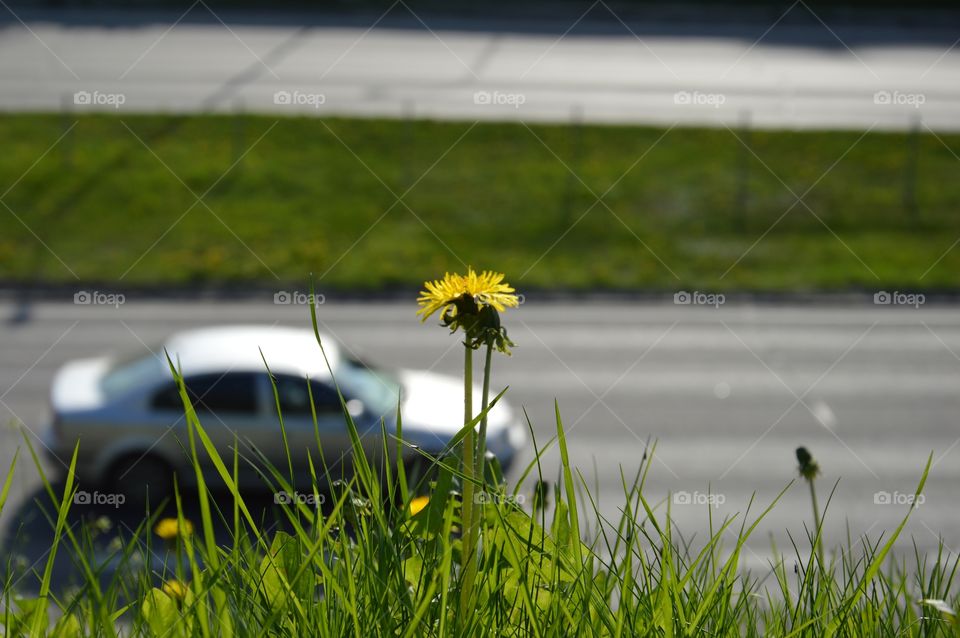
(106, 532)
(822, 25)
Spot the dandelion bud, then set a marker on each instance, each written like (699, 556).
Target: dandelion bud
(808, 467)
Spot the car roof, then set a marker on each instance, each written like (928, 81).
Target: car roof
(237, 349)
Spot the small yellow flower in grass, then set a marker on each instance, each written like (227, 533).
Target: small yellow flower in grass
(169, 529)
(485, 289)
(417, 504)
(175, 589)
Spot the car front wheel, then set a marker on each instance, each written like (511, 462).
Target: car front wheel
(141, 478)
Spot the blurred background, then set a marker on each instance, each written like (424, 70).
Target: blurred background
(733, 224)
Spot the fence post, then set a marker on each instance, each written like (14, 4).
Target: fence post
(239, 136)
(742, 195)
(910, 168)
(408, 112)
(66, 146)
(576, 148)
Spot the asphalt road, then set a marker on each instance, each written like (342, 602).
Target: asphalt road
(793, 69)
(727, 393)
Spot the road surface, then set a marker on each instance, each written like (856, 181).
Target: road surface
(728, 393)
(789, 69)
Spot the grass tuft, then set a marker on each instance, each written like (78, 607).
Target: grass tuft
(367, 563)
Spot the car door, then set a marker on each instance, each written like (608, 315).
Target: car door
(294, 396)
(230, 406)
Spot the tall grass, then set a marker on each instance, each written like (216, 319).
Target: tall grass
(371, 562)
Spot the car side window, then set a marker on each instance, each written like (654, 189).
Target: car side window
(295, 398)
(230, 393)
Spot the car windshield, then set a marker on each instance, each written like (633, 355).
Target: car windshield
(129, 373)
(378, 389)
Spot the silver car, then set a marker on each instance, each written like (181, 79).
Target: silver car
(128, 416)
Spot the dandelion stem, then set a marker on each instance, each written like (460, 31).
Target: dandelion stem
(816, 521)
(471, 505)
(809, 470)
(468, 553)
(485, 402)
(467, 385)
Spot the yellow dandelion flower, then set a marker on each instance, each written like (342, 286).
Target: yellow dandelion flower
(169, 528)
(439, 293)
(175, 589)
(486, 288)
(417, 504)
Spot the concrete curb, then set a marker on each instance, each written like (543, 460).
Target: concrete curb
(240, 293)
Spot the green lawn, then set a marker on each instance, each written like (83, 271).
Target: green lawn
(319, 196)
